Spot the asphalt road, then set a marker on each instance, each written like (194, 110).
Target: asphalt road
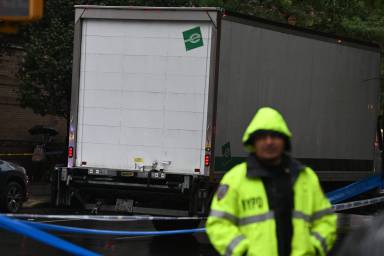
(198, 244)
(188, 245)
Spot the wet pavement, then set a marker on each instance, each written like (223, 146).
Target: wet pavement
(189, 245)
(198, 244)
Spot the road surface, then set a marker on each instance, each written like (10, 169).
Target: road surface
(186, 245)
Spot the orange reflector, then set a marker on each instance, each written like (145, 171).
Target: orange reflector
(207, 160)
(70, 152)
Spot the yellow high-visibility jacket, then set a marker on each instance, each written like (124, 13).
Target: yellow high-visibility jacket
(241, 222)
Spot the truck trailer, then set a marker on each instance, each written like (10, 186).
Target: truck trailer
(161, 97)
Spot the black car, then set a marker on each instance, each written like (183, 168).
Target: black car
(13, 186)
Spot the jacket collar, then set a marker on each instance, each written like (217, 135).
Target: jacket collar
(256, 170)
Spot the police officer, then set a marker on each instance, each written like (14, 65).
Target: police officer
(271, 204)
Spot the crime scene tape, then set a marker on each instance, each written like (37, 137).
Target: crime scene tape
(15, 154)
(19, 227)
(118, 218)
(48, 153)
(14, 225)
(34, 229)
(356, 204)
(125, 218)
(87, 231)
(122, 218)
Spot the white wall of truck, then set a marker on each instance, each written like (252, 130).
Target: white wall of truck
(142, 95)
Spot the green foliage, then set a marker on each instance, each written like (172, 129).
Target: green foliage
(352, 18)
(46, 71)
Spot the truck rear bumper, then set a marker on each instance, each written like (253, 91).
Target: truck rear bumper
(140, 210)
(169, 194)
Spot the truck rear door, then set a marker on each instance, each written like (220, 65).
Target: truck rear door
(144, 94)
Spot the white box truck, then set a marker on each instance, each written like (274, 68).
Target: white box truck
(161, 97)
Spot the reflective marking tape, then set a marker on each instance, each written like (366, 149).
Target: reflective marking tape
(301, 215)
(319, 214)
(256, 218)
(224, 215)
(313, 217)
(242, 221)
(321, 240)
(232, 245)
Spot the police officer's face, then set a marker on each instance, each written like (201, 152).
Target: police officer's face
(269, 147)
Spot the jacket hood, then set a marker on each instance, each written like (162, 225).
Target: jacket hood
(266, 119)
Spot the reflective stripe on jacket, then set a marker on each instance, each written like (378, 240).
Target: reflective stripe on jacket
(241, 223)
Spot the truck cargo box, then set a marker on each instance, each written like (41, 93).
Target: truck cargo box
(161, 98)
(326, 87)
(142, 94)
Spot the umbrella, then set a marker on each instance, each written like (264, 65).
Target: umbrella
(40, 129)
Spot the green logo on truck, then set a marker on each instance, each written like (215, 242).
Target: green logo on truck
(193, 38)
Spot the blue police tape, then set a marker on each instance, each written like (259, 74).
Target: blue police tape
(31, 229)
(86, 231)
(67, 229)
(356, 188)
(41, 236)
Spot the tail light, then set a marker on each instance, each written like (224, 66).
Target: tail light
(207, 160)
(70, 152)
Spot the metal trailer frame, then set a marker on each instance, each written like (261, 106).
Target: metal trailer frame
(326, 175)
(299, 31)
(192, 188)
